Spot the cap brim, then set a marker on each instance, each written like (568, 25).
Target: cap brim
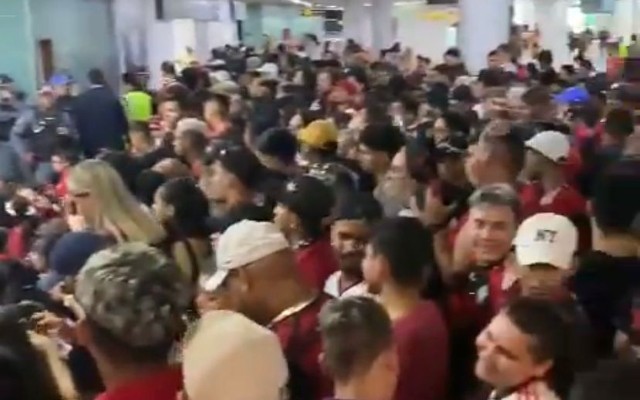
(49, 280)
(215, 280)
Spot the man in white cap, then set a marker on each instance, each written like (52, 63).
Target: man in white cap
(257, 276)
(548, 190)
(250, 365)
(545, 246)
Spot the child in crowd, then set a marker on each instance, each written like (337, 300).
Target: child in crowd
(62, 160)
(357, 349)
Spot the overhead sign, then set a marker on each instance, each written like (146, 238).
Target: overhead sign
(598, 6)
(450, 16)
(312, 12)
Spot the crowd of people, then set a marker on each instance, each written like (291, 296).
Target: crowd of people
(348, 227)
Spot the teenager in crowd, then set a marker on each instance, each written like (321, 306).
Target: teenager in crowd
(399, 260)
(355, 215)
(358, 350)
(303, 214)
(526, 351)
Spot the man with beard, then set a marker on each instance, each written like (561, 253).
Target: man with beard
(356, 213)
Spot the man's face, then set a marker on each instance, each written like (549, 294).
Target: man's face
(493, 228)
(46, 100)
(504, 357)
(533, 164)
(374, 162)
(543, 281)
(397, 183)
(59, 164)
(170, 113)
(494, 61)
(349, 239)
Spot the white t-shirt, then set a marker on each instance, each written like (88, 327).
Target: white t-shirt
(532, 391)
(332, 287)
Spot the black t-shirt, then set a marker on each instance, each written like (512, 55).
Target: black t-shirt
(156, 155)
(605, 287)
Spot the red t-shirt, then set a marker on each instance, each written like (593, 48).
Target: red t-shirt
(302, 345)
(60, 189)
(564, 201)
(161, 385)
(316, 263)
(422, 340)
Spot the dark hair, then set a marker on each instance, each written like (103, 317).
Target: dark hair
(279, 143)
(68, 149)
(4, 237)
(131, 79)
(355, 331)
(191, 208)
(386, 138)
(24, 371)
(147, 183)
(168, 68)
(124, 164)
(615, 197)
(552, 339)
(406, 246)
(96, 77)
(453, 52)
(610, 380)
(545, 57)
(456, 122)
(504, 48)
(493, 77)
(619, 123)
(492, 53)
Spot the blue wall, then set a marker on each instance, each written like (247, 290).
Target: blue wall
(82, 33)
(16, 47)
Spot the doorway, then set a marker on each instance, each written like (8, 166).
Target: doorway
(45, 56)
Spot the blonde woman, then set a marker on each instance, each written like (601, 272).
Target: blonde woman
(101, 198)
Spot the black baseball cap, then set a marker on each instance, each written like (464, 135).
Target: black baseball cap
(308, 197)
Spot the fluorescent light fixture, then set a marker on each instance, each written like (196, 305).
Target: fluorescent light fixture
(301, 3)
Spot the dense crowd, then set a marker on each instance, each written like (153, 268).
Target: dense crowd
(270, 226)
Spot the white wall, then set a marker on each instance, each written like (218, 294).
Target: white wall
(145, 40)
(429, 38)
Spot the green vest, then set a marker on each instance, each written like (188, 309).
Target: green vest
(138, 106)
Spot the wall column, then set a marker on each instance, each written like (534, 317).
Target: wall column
(484, 25)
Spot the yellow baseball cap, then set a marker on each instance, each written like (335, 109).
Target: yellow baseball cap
(319, 134)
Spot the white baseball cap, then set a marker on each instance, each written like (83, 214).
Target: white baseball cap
(233, 358)
(552, 144)
(269, 70)
(546, 238)
(244, 243)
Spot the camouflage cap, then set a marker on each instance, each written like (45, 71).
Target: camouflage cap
(134, 292)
